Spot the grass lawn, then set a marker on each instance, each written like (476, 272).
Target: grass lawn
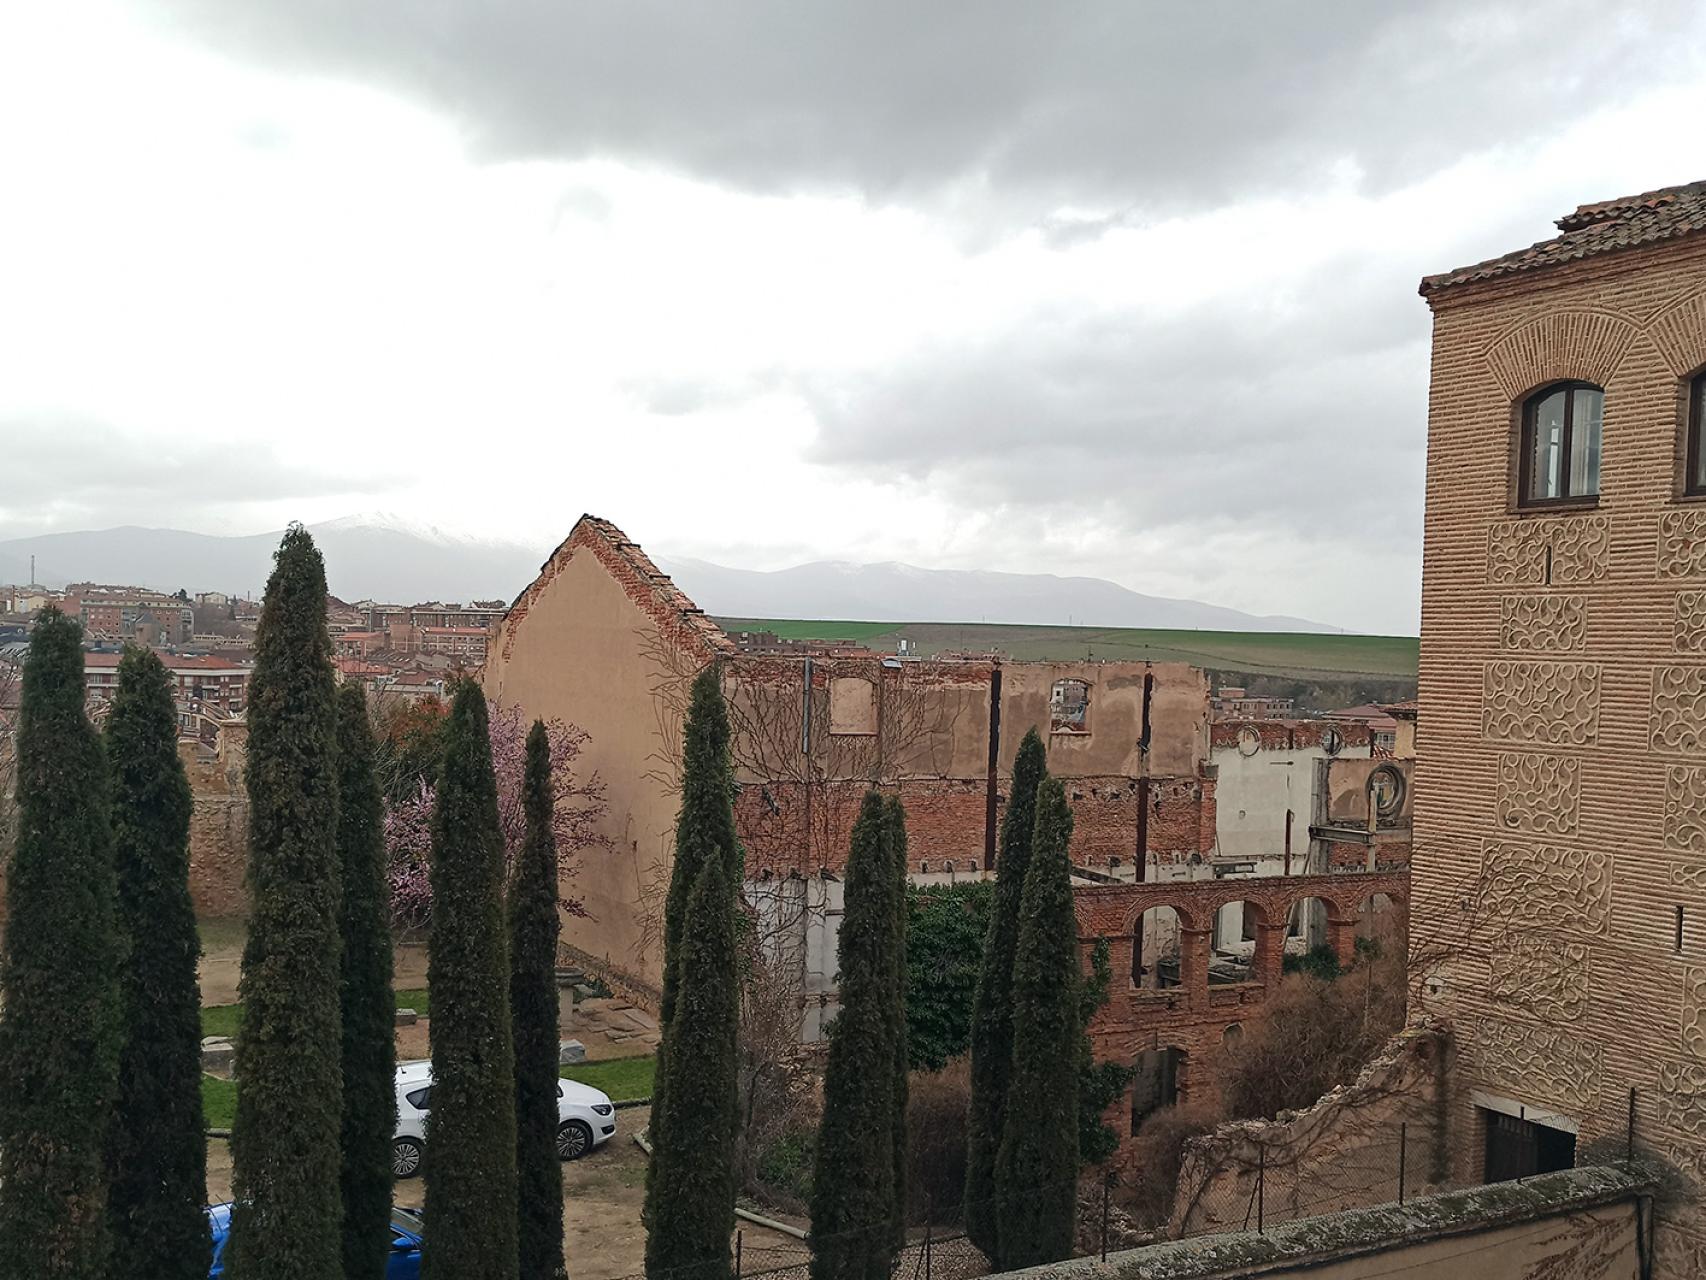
(222, 1019)
(218, 1102)
(624, 1079)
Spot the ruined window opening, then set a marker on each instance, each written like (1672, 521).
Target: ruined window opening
(1155, 950)
(1695, 481)
(1155, 1083)
(1386, 791)
(1069, 707)
(1232, 1035)
(1560, 447)
(1233, 943)
(852, 707)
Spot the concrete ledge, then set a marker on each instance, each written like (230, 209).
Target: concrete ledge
(1354, 1233)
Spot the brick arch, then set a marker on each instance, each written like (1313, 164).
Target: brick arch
(1679, 332)
(1560, 346)
(1186, 912)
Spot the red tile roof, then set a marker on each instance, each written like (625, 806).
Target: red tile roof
(1593, 229)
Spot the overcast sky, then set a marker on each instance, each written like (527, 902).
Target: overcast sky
(1123, 289)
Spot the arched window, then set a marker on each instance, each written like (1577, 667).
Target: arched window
(1560, 444)
(1695, 480)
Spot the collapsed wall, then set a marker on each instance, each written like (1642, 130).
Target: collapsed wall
(1344, 1152)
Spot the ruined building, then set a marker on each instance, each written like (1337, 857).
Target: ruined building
(1560, 820)
(604, 640)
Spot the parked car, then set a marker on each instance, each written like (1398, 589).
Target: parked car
(585, 1118)
(405, 1263)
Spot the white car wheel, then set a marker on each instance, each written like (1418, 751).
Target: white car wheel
(405, 1158)
(574, 1140)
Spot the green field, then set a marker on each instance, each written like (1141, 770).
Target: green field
(1292, 655)
(223, 1019)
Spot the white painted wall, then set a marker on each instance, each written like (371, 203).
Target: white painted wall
(1253, 793)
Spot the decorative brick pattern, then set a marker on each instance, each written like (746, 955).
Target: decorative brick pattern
(1694, 1012)
(1555, 703)
(1685, 809)
(1679, 332)
(1571, 887)
(1540, 794)
(1689, 632)
(1677, 722)
(1578, 548)
(1682, 543)
(1560, 344)
(1539, 1062)
(1682, 1097)
(1547, 977)
(1543, 624)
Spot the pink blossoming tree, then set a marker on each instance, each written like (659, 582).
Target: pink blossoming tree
(580, 804)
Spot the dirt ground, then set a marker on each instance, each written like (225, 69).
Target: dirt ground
(602, 1195)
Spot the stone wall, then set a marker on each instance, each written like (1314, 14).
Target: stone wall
(1342, 1153)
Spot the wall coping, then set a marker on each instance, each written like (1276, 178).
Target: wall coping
(1354, 1233)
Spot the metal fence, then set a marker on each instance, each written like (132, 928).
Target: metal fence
(1275, 1185)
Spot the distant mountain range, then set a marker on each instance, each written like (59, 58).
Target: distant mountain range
(383, 558)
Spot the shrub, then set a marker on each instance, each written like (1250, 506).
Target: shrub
(945, 928)
(1158, 1150)
(937, 1102)
(1315, 1034)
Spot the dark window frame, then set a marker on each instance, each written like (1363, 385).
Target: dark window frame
(1525, 446)
(1695, 420)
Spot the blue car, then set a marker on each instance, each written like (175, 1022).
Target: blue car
(405, 1242)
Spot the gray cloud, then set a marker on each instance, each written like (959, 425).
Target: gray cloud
(1304, 416)
(61, 465)
(1106, 103)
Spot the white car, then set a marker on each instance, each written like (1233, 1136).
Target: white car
(585, 1118)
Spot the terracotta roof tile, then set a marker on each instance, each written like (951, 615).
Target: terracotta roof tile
(1593, 229)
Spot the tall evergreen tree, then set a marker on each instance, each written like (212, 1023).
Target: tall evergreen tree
(1036, 1169)
(470, 1159)
(369, 1008)
(285, 1161)
(704, 830)
(533, 929)
(156, 1147)
(853, 1188)
(992, 1012)
(59, 1020)
(894, 838)
(691, 1213)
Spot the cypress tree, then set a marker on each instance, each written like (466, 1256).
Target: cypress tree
(894, 837)
(853, 1188)
(691, 1210)
(285, 1161)
(992, 1011)
(533, 928)
(369, 1008)
(704, 830)
(470, 1158)
(156, 1148)
(59, 1021)
(1036, 1169)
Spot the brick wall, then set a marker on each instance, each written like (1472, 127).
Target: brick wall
(1561, 777)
